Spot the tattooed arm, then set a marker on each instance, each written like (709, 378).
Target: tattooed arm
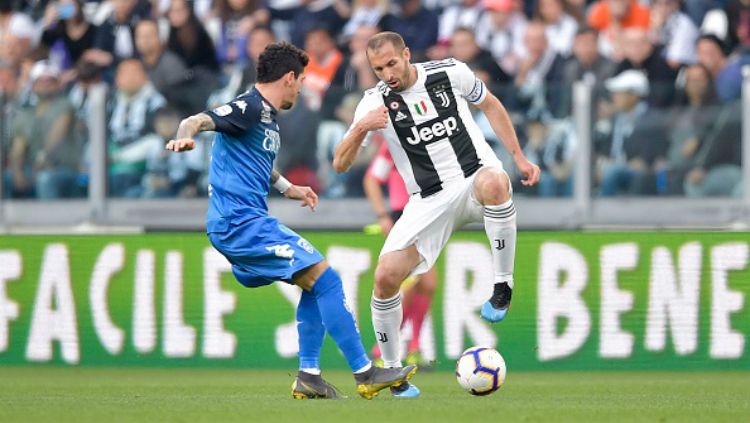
(189, 128)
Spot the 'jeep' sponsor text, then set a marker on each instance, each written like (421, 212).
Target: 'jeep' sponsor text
(426, 133)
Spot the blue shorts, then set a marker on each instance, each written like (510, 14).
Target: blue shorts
(261, 250)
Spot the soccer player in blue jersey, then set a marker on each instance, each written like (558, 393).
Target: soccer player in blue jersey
(260, 248)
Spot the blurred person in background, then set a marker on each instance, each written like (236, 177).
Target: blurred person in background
(325, 60)
(309, 14)
(691, 119)
(115, 39)
(560, 27)
(464, 47)
(166, 70)
(632, 144)
(500, 31)
(463, 14)
(586, 64)
(538, 80)
(365, 13)
(133, 109)
(189, 40)
(8, 91)
(612, 17)
(717, 167)
(726, 71)
(673, 32)
(44, 156)
(67, 33)
(231, 27)
(354, 74)
(553, 146)
(738, 24)
(17, 33)
(168, 175)
(415, 23)
(640, 54)
(88, 76)
(416, 291)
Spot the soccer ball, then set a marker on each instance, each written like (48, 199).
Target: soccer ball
(480, 370)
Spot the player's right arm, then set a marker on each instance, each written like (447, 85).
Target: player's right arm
(188, 129)
(369, 116)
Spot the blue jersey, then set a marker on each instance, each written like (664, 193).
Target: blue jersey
(242, 156)
(260, 248)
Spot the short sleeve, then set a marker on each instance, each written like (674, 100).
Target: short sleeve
(369, 102)
(471, 87)
(237, 116)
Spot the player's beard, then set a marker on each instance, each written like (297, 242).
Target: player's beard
(403, 80)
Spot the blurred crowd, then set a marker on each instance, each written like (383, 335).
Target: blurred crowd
(665, 75)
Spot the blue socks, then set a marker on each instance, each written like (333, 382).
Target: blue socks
(337, 319)
(311, 332)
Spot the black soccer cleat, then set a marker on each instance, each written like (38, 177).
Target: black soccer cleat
(308, 386)
(497, 307)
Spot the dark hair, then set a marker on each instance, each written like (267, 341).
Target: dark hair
(88, 71)
(586, 30)
(713, 39)
(710, 97)
(278, 59)
(380, 39)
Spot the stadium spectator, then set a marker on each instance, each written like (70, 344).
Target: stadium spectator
(168, 175)
(44, 156)
(611, 17)
(553, 146)
(416, 24)
(67, 33)
(365, 13)
(727, 73)
(17, 33)
(500, 31)
(166, 71)
(689, 123)
(325, 60)
(115, 40)
(561, 27)
(8, 91)
(464, 47)
(465, 14)
(586, 64)
(88, 75)
(354, 74)
(717, 169)
(329, 14)
(673, 32)
(632, 144)
(330, 134)
(133, 108)
(189, 40)
(258, 39)
(539, 74)
(738, 23)
(639, 54)
(231, 27)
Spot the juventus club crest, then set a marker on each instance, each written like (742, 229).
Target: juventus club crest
(442, 96)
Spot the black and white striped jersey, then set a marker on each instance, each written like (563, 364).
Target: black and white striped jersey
(431, 133)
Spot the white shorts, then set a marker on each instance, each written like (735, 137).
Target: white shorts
(429, 222)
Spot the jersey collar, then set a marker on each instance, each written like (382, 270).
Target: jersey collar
(263, 99)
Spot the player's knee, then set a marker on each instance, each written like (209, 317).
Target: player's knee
(387, 280)
(493, 186)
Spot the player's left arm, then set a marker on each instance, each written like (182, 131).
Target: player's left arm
(476, 93)
(188, 129)
(306, 195)
(503, 128)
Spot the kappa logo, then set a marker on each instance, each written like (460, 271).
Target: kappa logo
(400, 116)
(241, 104)
(305, 245)
(282, 250)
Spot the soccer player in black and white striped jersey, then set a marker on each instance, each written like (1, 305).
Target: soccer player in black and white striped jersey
(452, 175)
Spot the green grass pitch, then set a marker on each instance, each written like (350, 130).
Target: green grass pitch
(110, 395)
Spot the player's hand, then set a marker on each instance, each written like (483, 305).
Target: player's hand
(305, 194)
(375, 119)
(529, 170)
(183, 144)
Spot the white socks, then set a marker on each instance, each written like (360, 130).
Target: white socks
(500, 225)
(386, 319)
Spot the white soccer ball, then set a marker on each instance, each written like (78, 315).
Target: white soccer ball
(480, 370)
